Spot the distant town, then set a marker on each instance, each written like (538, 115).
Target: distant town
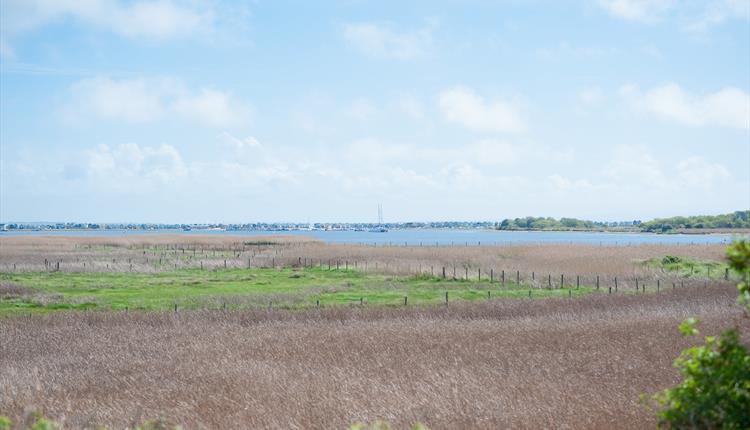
(250, 226)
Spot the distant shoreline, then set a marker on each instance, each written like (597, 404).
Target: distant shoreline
(694, 231)
(691, 231)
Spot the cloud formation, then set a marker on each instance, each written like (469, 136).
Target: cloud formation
(647, 11)
(728, 107)
(382, 41)
(463, 106)
(156, 19)
(144, 100)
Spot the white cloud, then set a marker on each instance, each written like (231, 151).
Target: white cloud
(634, 166)
(463, 106)
(157, 19)
(719, 11)
(564, 183)
(647, 11)
(130, 167)
(237, 143)
(381, 41)
(145, 100)
(135, 100)
(728, 107)
(696, 171)
(212, 107)
(485, 152)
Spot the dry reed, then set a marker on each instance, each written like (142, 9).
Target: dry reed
(554, 363)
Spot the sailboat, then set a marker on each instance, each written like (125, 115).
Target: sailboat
(380, 228)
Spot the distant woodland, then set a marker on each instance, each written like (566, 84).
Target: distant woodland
(735, 220)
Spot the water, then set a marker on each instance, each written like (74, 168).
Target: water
(427, 237)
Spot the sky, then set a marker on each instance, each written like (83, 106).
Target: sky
(297, 111)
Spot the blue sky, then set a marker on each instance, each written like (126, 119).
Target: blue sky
(218, 111)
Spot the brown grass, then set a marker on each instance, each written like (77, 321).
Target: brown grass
(503, 364)
(150, 254)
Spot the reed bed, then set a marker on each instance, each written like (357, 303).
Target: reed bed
(536, 265)
(553, 363)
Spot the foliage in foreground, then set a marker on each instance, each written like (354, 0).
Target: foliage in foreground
(37, 421)
(715, 392)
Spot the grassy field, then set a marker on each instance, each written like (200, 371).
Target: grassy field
(43, 274)
(277, 333)
(549, 363)
(237, 288)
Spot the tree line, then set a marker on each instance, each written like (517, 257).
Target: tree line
(737, 219)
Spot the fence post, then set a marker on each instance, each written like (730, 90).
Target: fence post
(549, 280)
(658, 285)
(726, 274)
(443, 272)
(615, 284)
(503, 277)
(492, 275)
(562, 280)
(405, 299)
(518, 277)
(597, 282)
(578, 281)
(479, 274)
(446, 298)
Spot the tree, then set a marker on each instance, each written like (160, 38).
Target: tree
(715, 392)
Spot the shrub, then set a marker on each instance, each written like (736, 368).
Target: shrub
(670, 259)
(715, 392)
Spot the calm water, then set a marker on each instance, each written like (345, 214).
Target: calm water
(426, 237)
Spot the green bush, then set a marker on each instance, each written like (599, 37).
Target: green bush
(5, 423)
(739, 260)
(670, 259)
(715, 391)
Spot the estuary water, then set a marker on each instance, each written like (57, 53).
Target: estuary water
(426, 237)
